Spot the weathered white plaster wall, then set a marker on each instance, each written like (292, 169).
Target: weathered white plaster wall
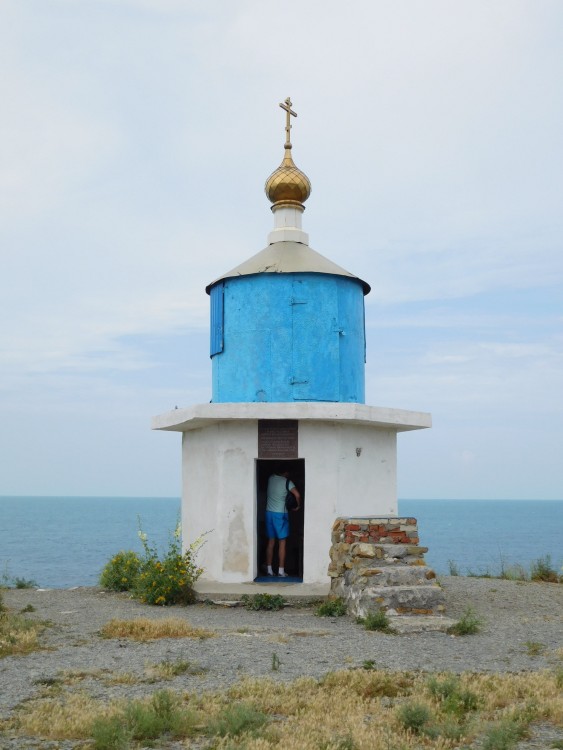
(338, 482)
(219, 496)
(350, 469)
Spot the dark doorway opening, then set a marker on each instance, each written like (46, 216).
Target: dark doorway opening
(294, 544)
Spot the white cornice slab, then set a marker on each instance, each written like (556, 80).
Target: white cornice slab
(203, 415)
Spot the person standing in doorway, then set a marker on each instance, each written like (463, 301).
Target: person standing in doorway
(277, 517)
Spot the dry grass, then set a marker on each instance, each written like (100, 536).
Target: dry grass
(168, 670)
(278, 638)
(67, 717)
(18, 634)
(144, 629)
(286, 637)
(356, 709)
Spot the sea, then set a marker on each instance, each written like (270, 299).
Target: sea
(62, 542)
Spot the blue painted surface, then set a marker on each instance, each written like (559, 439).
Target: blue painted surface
(216, 302)
(291, 337)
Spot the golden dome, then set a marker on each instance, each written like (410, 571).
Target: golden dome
(288, 185)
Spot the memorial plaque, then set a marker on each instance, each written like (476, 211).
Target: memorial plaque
(277, 438)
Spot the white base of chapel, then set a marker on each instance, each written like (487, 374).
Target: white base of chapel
(350, 468)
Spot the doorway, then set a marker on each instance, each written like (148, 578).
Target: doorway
(294, 545)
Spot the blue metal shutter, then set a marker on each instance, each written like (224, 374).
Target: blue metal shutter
(217, 315)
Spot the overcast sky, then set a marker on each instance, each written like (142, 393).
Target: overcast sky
(135, 139)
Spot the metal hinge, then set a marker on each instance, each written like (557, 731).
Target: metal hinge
(294, 381)
(294, 301)
(336, 328)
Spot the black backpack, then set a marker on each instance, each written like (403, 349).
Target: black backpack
(290, 499)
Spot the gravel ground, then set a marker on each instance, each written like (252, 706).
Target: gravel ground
(515, 614)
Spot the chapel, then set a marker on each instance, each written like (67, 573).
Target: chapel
(288, 353)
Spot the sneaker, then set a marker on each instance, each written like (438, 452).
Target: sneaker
(283, 575)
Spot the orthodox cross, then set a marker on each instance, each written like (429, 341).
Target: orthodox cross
(287, 106)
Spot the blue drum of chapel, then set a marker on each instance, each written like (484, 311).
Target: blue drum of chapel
(280, 337)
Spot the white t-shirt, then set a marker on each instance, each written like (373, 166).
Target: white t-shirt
(276, 493)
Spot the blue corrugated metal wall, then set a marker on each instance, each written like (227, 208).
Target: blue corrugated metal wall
(290, 337)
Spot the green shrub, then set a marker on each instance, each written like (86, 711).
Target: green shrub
(469, 624)
(163, 715)
(454, 699)
(377, 620)
(503, 736)
(168, 579)
(110, 734)
(444, 688)
(542, 570)
(414, 716)
(120, 573)
(235, 720)
(332, 608)
(257, 602)
(141, 721)
(24, 583)
(2, 606)
(9, 582)
(534, 648)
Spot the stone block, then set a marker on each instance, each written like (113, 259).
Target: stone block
(395, 575)
(362, 550)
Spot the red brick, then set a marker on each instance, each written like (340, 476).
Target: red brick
(352, 527)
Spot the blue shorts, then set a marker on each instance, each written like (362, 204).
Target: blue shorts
(277, 525)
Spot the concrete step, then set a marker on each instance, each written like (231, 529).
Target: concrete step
(396, 600)
(403, 625)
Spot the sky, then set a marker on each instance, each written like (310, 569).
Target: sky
(135, 140)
